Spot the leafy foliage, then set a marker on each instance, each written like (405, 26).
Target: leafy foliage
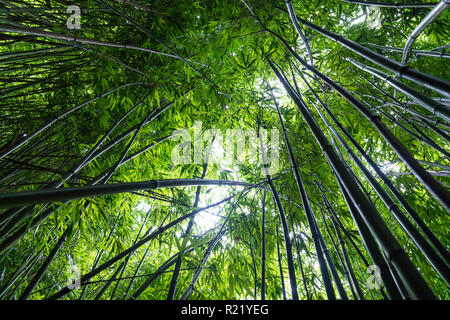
(218, 74)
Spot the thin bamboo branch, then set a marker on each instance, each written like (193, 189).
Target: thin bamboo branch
(392, 5)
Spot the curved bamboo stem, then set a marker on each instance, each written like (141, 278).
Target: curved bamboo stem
(430, 17)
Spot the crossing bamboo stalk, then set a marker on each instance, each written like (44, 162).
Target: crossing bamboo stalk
(141, 242)
(433, 186)
(263, 246)
(434, 83)
(431, 105)
(414, 216)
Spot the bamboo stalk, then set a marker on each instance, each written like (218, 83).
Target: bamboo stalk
(59, 36)
(414, 281)
(372, 247)
(433, 186)
(431, 105)
(169, 262)
(282, 215)
(414, 216)
(417, 53)
(174, 53)
(293, 17)
(45, 265)
(101, 251)
(392, 5)
(430, 17)
(297, 246)
(438, 264)
(108, 283)
(307, 207)
(212, 244)
(60, 116)
(141, 242)
(125, 263)
(64, 194)
(401, 70)
(176, 271)
(263, 247)
(280, 268)
(341, 260)
(330, 264)
(348, 264)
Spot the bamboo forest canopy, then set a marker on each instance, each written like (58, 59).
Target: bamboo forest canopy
(117, 179)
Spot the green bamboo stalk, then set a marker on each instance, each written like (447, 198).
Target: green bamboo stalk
(341, 260)
(307, 207)
(212, 244)
(166, 265)
(174, 53)
(125, 263)
(141, 242)
(100, 252)
(64, 194)
(414, 281)
(414, 216)
(263, 247)
(372, 247)
(108, 283)
(348, 264)
(417, 116)
(433, 186)
(59, 36)
(280, 268)
(431, 105)
(60, 116)
(417, 53)
(45, 265)
(24, 265)
(401, 70)
(393, 5)
(330, 263)
(176, 271)
(438, 264)
(282, 215)
(297, 246)
(136, 271)
(430, 17)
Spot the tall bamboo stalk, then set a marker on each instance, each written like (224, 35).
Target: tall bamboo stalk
(433, 186)
(308, 210)
(392, 5)
(431, 105)
(282, 215)
(280, 267)
(348, 264)
(439, 85)
(439, 265)
(414, 216)
(176, 271)
(330, 264)
(415, 283)
(431, 16)
(60, 116)
(417, 53)
(126, 252)
(263, 246)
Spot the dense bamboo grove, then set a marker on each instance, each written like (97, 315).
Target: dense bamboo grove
(93, 206)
